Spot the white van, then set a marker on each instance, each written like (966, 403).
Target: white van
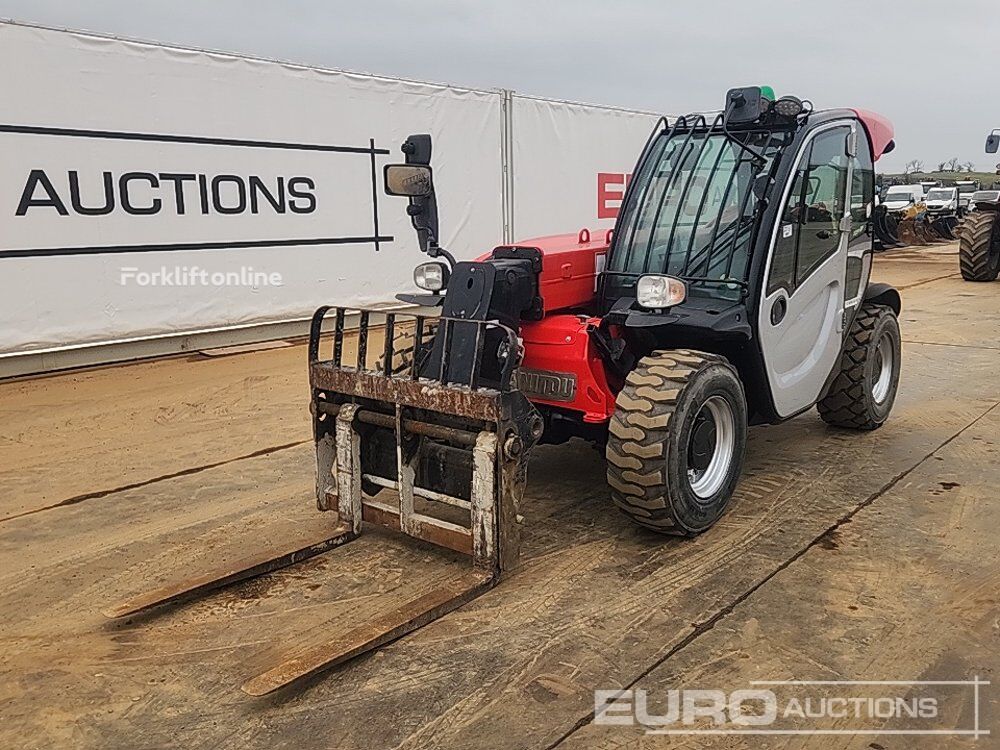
(942, 201)
(900, 197)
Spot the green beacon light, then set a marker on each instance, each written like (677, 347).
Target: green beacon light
(767, 92)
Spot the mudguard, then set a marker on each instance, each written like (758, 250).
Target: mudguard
(884, 294)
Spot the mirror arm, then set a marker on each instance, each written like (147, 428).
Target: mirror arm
(758, 158)
(434, 251)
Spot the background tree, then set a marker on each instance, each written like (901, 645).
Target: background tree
(913, 167)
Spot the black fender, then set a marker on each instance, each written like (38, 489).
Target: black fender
(884, 294)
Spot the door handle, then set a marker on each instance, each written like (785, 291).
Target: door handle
(778, 310)
(824, 234)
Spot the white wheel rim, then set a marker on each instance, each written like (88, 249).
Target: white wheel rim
(710, 480)
(884, 356)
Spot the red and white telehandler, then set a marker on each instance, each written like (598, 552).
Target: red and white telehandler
(733, 291)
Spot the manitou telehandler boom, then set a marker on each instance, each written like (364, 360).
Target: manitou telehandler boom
(734, 290)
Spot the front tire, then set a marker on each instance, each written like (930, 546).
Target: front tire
(676, 441)
(864, 390)
(979, 247)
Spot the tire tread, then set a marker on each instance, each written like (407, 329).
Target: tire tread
(638, 431)
(845, 403)
(979, 247)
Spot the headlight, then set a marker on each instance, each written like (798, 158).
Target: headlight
(431, 276)
(655, 292)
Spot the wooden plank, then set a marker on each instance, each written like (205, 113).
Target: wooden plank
(595, 601)
(75, 436)
(906, 591)
(84, 433)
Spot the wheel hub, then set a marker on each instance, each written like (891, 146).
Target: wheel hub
(711, 447)
(882, 368)
(702, 441)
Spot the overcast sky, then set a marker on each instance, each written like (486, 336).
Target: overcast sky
(931, 66)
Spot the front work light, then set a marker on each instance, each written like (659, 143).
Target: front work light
(431, 276)
(655, 292)
(788, 106)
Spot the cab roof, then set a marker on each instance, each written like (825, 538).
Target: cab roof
(880, 131)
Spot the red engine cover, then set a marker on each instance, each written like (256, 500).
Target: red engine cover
(570, 264)
(562, 368)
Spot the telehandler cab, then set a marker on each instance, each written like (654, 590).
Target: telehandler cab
(734, 290)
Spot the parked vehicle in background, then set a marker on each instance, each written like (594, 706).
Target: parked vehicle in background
(928, 185)
(943, 202)
(983, 196)
(901, 197)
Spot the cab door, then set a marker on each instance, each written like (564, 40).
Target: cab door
(801, 316)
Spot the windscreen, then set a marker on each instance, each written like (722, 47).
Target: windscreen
(939, 195)
(692, 209)
(903, 195)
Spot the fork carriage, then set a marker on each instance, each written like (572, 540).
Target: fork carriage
(445, 421)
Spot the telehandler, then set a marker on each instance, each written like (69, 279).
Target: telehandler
(733, 291)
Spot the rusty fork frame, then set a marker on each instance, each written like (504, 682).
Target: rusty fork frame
(346, 399)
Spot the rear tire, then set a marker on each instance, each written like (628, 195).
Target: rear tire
(979, 247)
(864, 390)
(676, 441)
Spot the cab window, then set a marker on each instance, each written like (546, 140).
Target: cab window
(809, 232)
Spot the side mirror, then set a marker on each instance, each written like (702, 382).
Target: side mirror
(992, 142)
(408, 180)
(743, 105)
(414, 180)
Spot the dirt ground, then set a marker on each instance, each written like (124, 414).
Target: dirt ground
(844, 556)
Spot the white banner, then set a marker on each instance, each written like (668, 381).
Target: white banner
(120, 155)
(151, 191)
(571, 164)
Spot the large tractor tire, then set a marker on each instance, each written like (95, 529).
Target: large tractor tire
(676, 441)
(979, 246)
(862, 393)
